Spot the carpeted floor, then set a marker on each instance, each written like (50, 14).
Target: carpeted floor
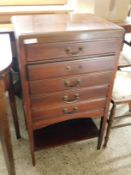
(79, 158)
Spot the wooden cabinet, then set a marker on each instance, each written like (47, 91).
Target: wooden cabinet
(67, 65)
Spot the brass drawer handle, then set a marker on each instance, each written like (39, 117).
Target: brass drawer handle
(68, 83)
(68, 68)
(75, 99)
(66, 111)
(70, 52)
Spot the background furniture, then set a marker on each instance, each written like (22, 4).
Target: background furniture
(125, 58)
(122, 86)
(5, 66)
(127, 26)
(121, 95)
(67, 66)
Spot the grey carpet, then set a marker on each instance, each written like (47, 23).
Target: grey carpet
(79, 158)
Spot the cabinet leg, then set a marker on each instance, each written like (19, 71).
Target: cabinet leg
(32, 152)
(110, 121)
(31, 140)
(33, 158)
(101, 132)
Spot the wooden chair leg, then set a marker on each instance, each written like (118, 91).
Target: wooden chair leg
(13, 108)
(110, 121)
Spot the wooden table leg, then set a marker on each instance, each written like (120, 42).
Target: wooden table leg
(5, 132)
(13, 106)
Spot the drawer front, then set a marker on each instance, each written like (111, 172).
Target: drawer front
(37, 52)
(67, 109)
(67, 68)
(40, 123)
(69, 97)
(60, 84)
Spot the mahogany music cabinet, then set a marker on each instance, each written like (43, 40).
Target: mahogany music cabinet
(67, 66)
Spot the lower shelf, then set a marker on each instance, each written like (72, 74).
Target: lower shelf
(65, 132)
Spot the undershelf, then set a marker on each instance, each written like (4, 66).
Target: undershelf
(65, 132)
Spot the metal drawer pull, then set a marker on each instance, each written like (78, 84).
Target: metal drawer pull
(68, 51)
(68, 100)
(68, 83)
(75, 109)
(68, 68)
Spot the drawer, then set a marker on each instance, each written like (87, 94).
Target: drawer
(37, 52)
(43, 122)
(59, 69)
(67, 109)
(70, 82)
(69, 96)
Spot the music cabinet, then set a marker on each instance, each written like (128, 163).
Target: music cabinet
(67, 66)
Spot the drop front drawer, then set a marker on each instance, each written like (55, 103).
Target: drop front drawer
(67, 109)
(41, 122)
(66, 68)
(37, 52)
(69, 97)
(70, 82)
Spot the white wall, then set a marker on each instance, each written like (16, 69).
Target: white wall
(85, 6)
(115, 10)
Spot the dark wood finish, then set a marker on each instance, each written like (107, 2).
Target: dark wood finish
(69, 82)
(37, 124)
(39, 51)
(55, 48)
(77, 67)
(69, 96)
(54, 25)
(5, 64)
(87, 114)
(66, 111)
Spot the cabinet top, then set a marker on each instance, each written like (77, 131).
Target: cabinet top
(53, 23)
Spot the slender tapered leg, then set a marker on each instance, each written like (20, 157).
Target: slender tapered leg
(33, 158)
(5, 132)
(13, 107)
(101, 132)
(110, 121)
